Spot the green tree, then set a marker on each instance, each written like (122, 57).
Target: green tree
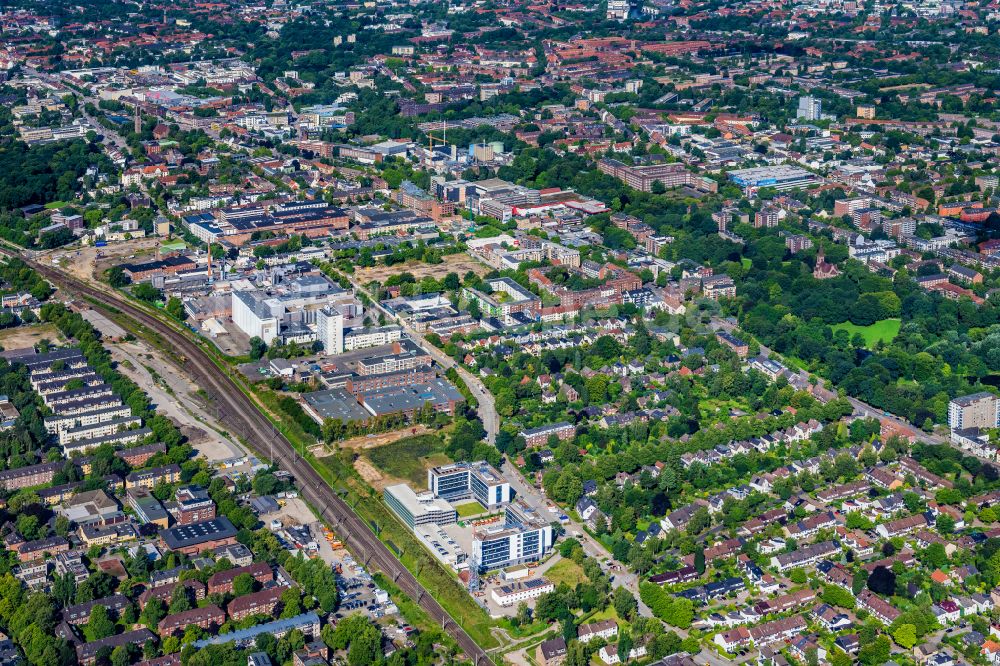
(625, 604)
(291, 602)
(243, 584)
(257, 348)
(837, 596)
(117, 277)
(154, 611)
(175, 308)
(146, 292)
(180, 599)
(876, 652)
(100, 624)
(699, 561)
(905, 636)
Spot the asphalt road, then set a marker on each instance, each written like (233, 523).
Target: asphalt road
(243, 416)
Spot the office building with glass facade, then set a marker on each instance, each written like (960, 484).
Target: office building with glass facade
(523, 537)
(418, 509)
(476, 480)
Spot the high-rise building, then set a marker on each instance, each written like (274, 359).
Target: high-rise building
(620, 10)
(330, 329)
(810, 108)
(866, 111)
(979, 410)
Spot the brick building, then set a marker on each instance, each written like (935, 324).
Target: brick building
(222, 582)
(204, 617)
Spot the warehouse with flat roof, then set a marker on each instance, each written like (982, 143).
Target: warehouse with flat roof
(197, 537)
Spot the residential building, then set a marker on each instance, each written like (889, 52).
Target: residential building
(551, 652)
(204, 617)
(307, 623)
(979, 410)
(257, 603)
(603, 630)
(222, 582)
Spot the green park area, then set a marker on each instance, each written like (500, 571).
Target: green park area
(884, 331)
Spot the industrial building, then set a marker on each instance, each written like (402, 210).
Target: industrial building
(780, 177)
(289, 312)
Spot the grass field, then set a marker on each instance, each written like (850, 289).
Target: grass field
(884, 330)
(565, 571)
(606, 614)
(409, 458)
(469, 509)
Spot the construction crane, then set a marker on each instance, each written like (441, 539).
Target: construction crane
(442, 141)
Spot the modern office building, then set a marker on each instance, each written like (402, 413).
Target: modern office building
(475, 480)
(418, 509)
(780, 177)
(979, 410)
(523, 537)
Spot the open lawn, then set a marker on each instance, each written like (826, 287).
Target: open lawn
(469, 509)
(565, 571)
(409, 458)
(884, 330)
(606, 614)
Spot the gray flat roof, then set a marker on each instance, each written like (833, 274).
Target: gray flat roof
(244, 635)
(196, 533)
(336, 403)
(418, 504)
(412, 397)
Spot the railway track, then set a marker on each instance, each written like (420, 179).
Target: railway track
(239, 412)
